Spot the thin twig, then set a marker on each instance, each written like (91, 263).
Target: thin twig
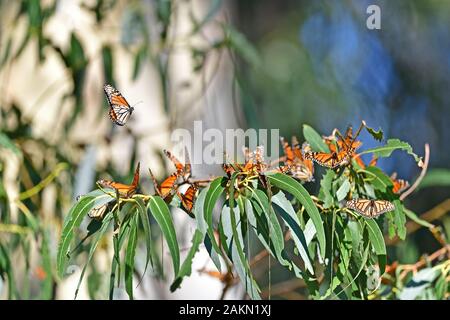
(422, 174)
(423, 261)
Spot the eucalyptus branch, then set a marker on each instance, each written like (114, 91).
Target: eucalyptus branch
(421, 176)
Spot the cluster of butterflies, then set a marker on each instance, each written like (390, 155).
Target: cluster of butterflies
(297, 162)
(166, 190)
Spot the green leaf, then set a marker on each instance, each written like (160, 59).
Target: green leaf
(105, 224)
(416, 219)
(147, 231)
(400, 219)
(235, 243)
(47, 284)
(108, 64)
(6, 271)
(215, 190)
(7, 143)
(199, 209)
(129, 257)
(298, 191)
(392, 145)
(291, 219)
(139, 61)
(314, 139)
(161, 213)
(186, 267)
(343, 190)
(326, 187)
(275, 233)
(73, 221)
(378, 178)
(377, 240)
(244, 48)
(377, 135)
(436, 178)
(202, 226)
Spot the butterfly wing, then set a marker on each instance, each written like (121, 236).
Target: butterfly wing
(120, 110)
(382, 206)
(168, 184)
(329, 160)
(98, 212)
(155, 183)
(188, 198)
(370, 208)
(287, 151)
(178, 165)
(124, 190)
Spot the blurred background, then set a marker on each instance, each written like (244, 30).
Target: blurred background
(231, 64)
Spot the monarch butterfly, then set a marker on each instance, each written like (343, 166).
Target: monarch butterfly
(188, 198)
(341, 153)
(361, 163)
(295, 164)
(370, 208)
(254, 161)
(98, 212)
(349, 142)
(164, 190)
(124, 190)
(120, 110)
(183, 170)
(399, 184)
(329, 160)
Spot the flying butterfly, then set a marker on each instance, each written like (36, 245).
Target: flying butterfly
(124, 190)
(120, 110)
(370, 208)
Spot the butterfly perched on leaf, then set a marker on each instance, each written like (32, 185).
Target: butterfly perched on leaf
(328, 159)
(188, 197)
(183, 170)
(340, 153)
(295, 164)
(98, 212)
(164, 190)
(119, 108)
(370, 208)
(124, 190)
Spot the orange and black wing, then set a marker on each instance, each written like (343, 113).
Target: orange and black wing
(168, 185)
(329, 160)
(120, 110)
(124, 190)
(400, 185)
(155, 183)
(178, 165)
(188, 198)
(287, 151)
(370, 208)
